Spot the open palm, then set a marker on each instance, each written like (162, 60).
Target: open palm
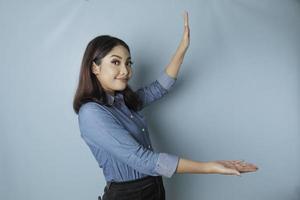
(185, 41)
(234, 167)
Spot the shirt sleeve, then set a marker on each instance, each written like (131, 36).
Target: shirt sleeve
(100, 129)
(155, 90)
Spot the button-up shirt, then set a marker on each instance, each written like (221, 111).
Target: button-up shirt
(119, 139)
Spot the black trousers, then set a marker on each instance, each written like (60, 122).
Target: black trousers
(147, 188)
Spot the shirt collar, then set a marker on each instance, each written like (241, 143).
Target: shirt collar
(116, 98)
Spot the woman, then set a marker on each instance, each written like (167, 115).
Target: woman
(116, 132)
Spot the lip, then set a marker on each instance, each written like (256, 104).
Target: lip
(123, 79)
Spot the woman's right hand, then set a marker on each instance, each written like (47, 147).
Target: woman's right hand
(232, 167)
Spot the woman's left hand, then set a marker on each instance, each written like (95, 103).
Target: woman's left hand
(239, 165)
(185, 41)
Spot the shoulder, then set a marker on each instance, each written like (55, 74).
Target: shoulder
(93, 110)
(91, 107)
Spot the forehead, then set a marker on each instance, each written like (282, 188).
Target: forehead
(119, 51)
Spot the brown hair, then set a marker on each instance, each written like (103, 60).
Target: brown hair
(89, 88)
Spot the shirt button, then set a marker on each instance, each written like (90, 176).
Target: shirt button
(143, 129)
(131, 116)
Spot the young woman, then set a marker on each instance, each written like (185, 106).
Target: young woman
(116, 132)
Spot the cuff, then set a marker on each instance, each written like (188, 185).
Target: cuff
(166, 164)
(166, 81)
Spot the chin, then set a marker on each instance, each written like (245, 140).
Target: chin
(121, 88)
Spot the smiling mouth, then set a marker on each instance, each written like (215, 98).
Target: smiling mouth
(122, 79)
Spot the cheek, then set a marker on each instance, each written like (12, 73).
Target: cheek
(130, 73)
(110, 73)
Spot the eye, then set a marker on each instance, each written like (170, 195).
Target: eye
(130, 63)
(116, 62)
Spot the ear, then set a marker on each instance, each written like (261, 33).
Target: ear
(95, 68)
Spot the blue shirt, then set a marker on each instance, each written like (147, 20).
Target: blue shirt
(119, 139)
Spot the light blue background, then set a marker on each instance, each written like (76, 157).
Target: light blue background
(237, 94)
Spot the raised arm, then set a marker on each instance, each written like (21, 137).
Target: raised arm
(173, 67)
(167, 78)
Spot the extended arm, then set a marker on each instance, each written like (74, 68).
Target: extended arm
(101, 130)
(226, 167)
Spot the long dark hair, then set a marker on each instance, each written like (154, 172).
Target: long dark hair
(89, 88)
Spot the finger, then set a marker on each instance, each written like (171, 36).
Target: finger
(234, 172)
(250, 165)
(244, 167)
(238, 161)
(241, 161)
(231, 165)
(247, 168)
(186, 18)
(253, 166)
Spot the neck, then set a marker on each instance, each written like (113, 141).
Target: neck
(112, 93)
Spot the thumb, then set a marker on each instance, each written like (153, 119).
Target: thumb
(238, 173)
(234, 172)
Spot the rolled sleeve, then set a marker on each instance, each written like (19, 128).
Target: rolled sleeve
(156, 90)
(166, 164)
(166, 81)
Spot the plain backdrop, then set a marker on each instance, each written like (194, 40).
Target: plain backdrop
(236, 97)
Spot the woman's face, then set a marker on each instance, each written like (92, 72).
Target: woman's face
(114, 71)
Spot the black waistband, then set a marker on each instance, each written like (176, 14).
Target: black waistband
(134, 183)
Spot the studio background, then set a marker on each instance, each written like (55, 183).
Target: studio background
(236, 97)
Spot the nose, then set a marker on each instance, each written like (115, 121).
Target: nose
(124, 70)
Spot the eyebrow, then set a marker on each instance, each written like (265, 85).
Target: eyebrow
(120, 56)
